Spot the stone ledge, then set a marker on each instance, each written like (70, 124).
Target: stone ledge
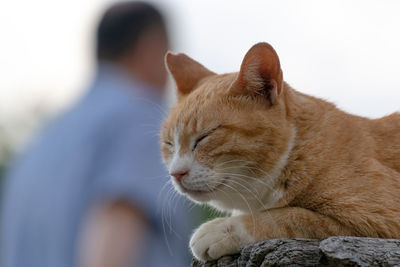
(333, 251)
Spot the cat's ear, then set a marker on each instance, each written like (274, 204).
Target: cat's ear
(185, 71)
(260, 73)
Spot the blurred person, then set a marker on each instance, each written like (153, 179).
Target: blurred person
(86, 191)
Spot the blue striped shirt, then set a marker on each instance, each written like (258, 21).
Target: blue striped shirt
(104, 148)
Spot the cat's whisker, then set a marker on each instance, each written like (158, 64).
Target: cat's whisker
(165, 200)
(251, 211)
(166, 212)
(265, 208)
(158, 107)
(263, 205)
(171, 194)
(191, 206)
(234, 160)
(258, 169)
(213, 192)
(152, 133)
(246, 202)
(173, 199)
(258, 180)
(230, 161)
(168, 182)
(157, 177)
(249, 177)
(248, 167)
(163, 219)
(255, 193)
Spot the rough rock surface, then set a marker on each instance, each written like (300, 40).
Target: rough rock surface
(333, 251)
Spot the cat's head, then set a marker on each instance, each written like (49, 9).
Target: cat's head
(227, 139)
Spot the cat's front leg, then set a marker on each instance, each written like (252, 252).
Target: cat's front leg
(225, 236)
(222, 236)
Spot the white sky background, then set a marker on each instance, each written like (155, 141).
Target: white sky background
(347, 52)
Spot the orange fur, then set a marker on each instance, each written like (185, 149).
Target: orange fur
(341, 175)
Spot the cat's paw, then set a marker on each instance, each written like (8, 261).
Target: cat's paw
(219, 237)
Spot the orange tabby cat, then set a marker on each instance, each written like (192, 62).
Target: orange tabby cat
(286, 164)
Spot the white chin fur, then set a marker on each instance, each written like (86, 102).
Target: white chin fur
(196, 196)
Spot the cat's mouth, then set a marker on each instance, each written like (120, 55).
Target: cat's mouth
(199, 192)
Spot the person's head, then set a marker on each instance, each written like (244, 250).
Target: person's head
(134, 36)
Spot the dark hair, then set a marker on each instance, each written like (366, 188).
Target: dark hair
(121, 27)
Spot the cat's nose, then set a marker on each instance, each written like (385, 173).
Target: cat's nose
(179, 174)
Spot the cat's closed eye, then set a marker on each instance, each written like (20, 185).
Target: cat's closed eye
(198, 140)
(168, 144)
(203, 137)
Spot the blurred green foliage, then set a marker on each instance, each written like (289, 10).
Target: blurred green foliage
(209, 213)
(5, 154)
